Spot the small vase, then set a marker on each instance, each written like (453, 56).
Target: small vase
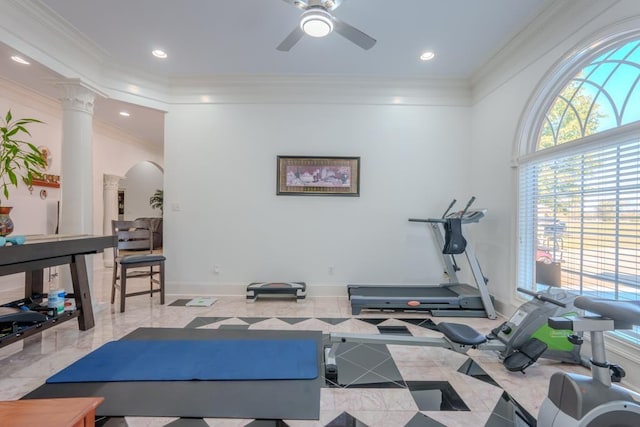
(6, 225)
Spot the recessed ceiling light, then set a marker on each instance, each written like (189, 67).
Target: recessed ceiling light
(124, 114)
(427, 56)
(158, 53)
(20, 60)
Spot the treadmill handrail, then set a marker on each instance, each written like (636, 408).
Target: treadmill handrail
(470, 216)
(429, 220)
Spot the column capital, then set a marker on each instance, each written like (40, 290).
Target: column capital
(77, 95)
(111, 182)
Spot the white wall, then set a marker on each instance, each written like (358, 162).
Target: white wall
(502, 99)
(221, 207)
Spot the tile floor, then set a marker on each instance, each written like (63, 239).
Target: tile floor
(378, 385)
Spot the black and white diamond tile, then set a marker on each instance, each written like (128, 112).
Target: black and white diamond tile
(394, 330)
(346, 420)
(436, 396)
(188, 422)
(199, 322)
(372, 366)
(293, 320)
(373, 321)
(424, 323)
(253, 320)
(509, 413)
(474, 370)
(421, 420)
(333, 321)
(111, 422)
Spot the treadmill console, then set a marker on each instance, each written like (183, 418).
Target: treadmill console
(470, 216)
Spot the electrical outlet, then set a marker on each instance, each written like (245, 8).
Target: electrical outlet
(331, 269)
(216, 269)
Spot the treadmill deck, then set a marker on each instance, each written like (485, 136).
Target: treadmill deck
(454, 300)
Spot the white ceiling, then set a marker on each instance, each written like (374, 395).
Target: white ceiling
(213, 38)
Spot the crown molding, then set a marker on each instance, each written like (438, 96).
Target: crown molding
(21, 94)
(307, 89)
(38, 32)
(113, 132)
(13, 91)
(30, 28)
(50, 21)
(559, 20)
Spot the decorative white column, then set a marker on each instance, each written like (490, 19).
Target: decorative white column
(76, 208)
(76, 216)
(110, 203)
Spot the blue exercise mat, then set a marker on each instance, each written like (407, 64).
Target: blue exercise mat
(185, 360)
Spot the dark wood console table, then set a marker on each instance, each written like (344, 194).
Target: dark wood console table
(40, 252)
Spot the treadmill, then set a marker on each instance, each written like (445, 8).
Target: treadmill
(453, 299)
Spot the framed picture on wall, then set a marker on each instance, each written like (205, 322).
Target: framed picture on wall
(318, 176)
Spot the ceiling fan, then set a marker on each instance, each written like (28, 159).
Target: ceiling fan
(317, 21)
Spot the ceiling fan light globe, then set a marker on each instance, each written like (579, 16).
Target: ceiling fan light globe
(316, 23)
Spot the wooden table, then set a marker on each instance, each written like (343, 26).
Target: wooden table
(68, 412)
(40, 252)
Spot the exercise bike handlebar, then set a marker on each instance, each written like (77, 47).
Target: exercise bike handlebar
(542, 297)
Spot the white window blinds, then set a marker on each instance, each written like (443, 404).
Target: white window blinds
(579, 214)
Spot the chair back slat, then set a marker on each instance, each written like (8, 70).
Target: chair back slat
(133, 235)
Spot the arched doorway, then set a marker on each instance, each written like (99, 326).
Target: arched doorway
(129, 197)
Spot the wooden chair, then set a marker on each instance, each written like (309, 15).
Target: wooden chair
(134, 258)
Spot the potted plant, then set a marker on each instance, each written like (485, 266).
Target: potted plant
(157, 200)
(18, 159)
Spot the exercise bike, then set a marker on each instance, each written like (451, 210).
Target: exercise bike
(520, 341)
(580, 401)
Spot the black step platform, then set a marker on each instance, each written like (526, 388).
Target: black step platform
(295, 289)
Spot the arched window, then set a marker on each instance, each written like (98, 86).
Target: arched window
(579, 184)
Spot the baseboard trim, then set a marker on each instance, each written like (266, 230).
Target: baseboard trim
(240, 289)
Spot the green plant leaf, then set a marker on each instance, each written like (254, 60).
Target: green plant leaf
(18, 158)
(12, 177)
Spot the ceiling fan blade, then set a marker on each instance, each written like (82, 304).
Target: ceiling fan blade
(293, 38)
(353, 34)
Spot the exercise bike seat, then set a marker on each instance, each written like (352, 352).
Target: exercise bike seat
(461, 334)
